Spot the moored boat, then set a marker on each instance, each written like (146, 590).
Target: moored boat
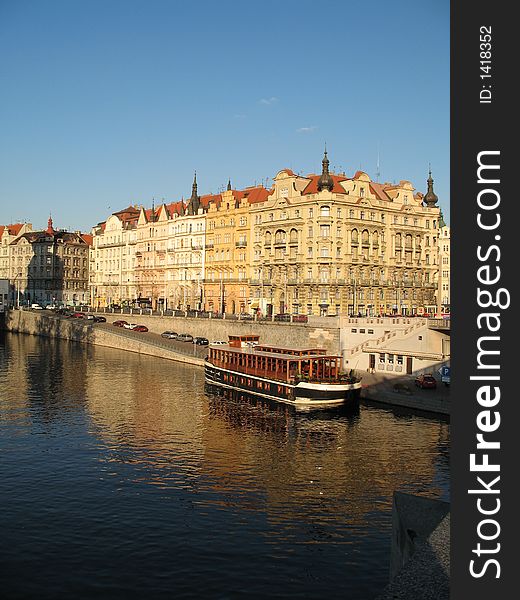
(306, 376)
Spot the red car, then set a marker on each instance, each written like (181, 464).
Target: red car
(120, 323)
(426, 381)
(77, 315)
(140, 328)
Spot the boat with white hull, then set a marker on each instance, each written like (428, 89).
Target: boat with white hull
(305, 377)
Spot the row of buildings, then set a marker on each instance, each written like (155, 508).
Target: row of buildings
(316, 244)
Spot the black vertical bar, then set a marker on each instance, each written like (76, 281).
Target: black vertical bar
(482, 94)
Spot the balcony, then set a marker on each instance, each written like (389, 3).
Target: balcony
(241, 244)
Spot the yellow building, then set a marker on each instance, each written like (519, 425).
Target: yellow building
(228, 249)
(331, 244)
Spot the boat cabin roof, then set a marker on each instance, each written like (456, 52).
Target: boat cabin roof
(271, 352)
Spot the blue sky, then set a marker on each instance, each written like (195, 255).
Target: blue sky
(106, 102)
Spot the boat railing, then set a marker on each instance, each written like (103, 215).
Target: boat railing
(293, 378)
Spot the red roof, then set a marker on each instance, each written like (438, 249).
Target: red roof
(87, 238)
(253, 194)
(312, 186)
(13, 229)
(378, 189)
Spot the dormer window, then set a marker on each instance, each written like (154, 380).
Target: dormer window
(362, 192)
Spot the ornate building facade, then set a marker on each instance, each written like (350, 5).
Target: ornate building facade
(319, 244)
(8, 233)
(228, 249)
(112, 258)
(329, 244)
(50, 267)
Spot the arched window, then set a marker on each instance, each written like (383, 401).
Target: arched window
(325, 211)
(279, 237)
(354, 236)
(365, 237)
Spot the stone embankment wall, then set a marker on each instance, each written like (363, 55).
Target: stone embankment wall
(277, 334)
(83, 331)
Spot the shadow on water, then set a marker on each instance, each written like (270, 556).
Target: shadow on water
(248, 410)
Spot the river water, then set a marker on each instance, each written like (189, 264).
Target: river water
(122, 477)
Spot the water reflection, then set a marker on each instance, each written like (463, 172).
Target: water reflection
(291, 497)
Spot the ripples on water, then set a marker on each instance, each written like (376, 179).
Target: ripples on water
(122, 477)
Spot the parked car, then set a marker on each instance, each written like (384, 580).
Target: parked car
(185, 337)
(218, 343)
(130, 325)
(99, 319)
(170, 335)
(120, 323)
(282, 317)
(36, 306)
(201, 341)
(300, 319)
(78, 315)
(141, 328)
(426, 381)
(51, 307)
(89, 317)
(245, 317)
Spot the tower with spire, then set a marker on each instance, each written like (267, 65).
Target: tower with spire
(430, 198)
(325, 181)
(194, 201)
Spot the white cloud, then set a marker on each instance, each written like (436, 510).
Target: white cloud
(269, 101)
(306, 129)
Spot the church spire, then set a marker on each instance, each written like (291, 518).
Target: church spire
(229, 185)
(50, 228)
(194, 202)
(430, 198)
(325, 181)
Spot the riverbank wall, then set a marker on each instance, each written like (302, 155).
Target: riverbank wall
(420, 555)
(32, 323)
(375, 388)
